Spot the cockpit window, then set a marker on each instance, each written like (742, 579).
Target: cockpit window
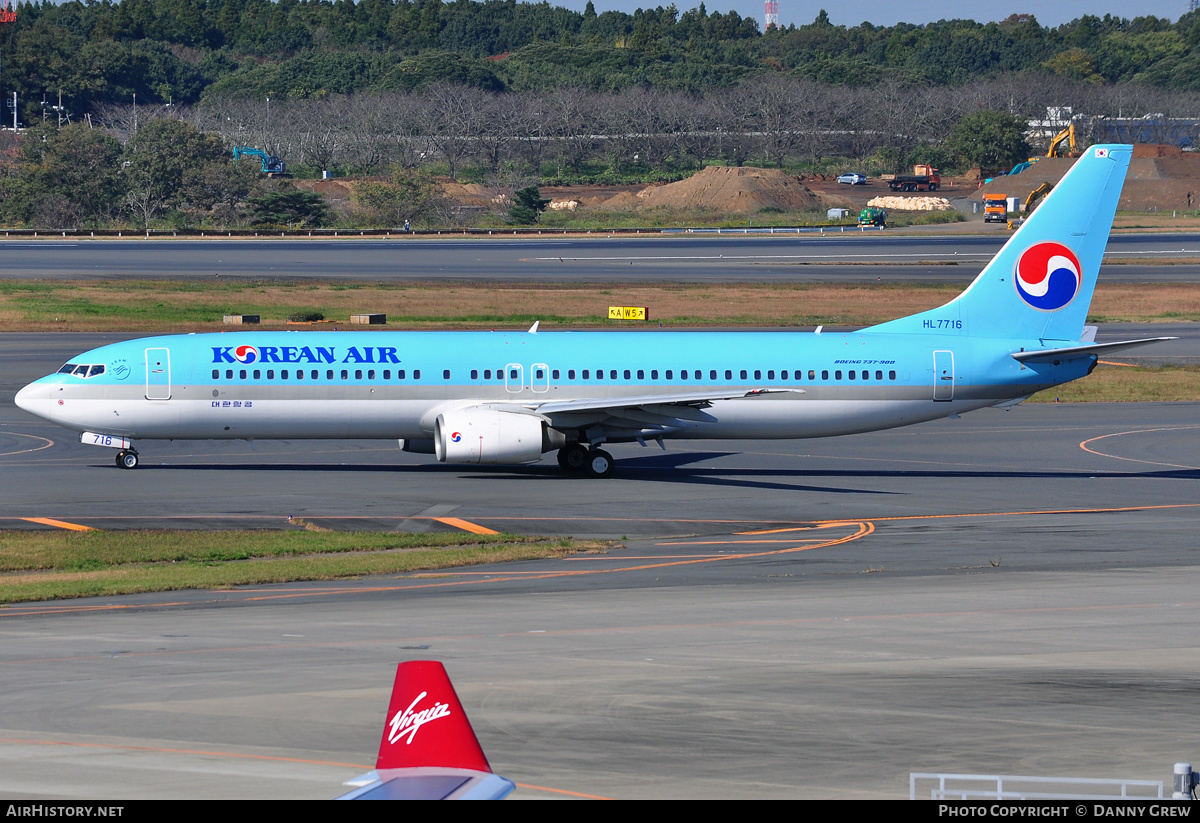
(82, 370)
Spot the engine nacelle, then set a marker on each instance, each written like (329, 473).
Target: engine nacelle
(487, 436)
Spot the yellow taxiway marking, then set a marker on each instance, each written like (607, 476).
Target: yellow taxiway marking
(465, 525)
(58, 524)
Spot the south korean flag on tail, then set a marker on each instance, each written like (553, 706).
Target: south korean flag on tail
(1102, 152)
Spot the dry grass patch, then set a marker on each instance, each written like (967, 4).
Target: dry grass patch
(158, 306)
(45, 565)
(1117, 384)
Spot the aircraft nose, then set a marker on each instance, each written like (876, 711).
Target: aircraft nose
(35, 399)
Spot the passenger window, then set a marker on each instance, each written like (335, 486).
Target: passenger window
(416, 374)
(570, 374)
(812, 374)
(513, 374)
(216, 373)
(299, 374)
(399, 374)
(555, 374)
(314, 374)
(641, 374)
(538, 373)
(743, 374)
(712, 374)
(824, 374)
(612, 374)
(891, 375)
(358, 374)
(599, 374)
(242, 374)
(586, 373)
(345, 374)
(446, 374)
(628, 375)
(670, 374)
(270, 374)
(257, 374)
(878, 375)
(771, 374)
(371, 374)
(850, 374)
(783, 375)
(474, 374)
(283, 374)
(729, 374)
(837, 375)
(229, 374)
(654, 374)
(757, 374)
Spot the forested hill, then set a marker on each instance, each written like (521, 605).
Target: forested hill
(183, 51)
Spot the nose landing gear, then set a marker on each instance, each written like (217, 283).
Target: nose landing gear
(127, 459)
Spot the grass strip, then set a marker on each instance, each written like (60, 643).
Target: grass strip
(1121, 384)
(51, 565)
(191, 305)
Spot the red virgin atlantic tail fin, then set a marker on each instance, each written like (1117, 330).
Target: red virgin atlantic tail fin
(428, 750)
(426, 724)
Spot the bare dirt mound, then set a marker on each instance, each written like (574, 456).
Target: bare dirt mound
(1159, 179)
(1156, 150)
(725, 189)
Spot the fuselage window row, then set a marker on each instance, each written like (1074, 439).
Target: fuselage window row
(515, 374)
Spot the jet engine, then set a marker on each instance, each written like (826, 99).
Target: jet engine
(486, 436)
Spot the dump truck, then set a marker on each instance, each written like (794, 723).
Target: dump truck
(995, 208)
(923, 178)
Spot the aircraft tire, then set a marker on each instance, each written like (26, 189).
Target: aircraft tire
(599, 463)
(127, 460)
(573, 458)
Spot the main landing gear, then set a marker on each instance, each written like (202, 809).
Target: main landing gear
(592, 462)
(127, 459)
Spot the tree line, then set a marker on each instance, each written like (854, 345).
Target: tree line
(185, 51)
(162, 165)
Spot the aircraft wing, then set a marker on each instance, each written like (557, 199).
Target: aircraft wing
(429, 784)
(648, 415)
(1045, 355)
(693, 399)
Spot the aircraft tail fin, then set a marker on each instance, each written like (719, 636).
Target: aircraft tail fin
(426, 724)
(428, 750)
(1039, 285)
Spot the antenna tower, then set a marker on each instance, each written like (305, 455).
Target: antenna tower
(771, 15)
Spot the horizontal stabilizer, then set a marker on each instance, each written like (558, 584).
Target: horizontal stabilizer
(1047, 355)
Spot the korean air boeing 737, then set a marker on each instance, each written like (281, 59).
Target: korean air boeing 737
(508, 398)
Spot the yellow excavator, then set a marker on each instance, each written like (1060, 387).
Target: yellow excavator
(1029, 204)
(1067, 134)
(1034, 196)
